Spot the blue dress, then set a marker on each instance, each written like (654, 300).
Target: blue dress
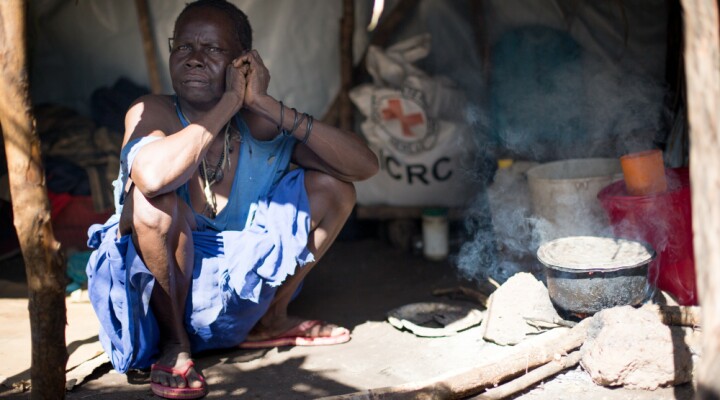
(241, 257)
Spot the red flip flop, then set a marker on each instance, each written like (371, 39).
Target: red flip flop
(298, 336)
(178, 393)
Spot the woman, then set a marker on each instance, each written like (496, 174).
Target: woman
(213, 231)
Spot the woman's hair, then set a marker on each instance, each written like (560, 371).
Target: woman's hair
(239, 19)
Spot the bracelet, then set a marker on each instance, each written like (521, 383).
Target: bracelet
(295, 123)
(302, 118)
(282, 116)
(308, 129)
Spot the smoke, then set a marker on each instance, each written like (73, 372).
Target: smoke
(547, 99)
(565, 103)
(623, 111)
(577, 108)
(501, 227)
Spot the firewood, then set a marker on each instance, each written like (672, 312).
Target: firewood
(531, 378)
(467, 292)
(527, 355)
(537, 322)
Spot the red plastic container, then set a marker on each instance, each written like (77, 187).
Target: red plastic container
(71, 224)
(663, 220)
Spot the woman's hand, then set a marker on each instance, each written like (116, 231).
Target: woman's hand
(236, 78)
(258, 80)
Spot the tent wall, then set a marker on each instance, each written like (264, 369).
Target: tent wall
(77, 47)
(628, 34)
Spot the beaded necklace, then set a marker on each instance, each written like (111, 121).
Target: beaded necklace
(211, 175)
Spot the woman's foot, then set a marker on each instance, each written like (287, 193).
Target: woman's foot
(295, 332)
(172, 370)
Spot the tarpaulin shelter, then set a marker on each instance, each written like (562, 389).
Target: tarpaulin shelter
(99, 54)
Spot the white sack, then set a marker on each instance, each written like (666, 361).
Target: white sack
(414, 124)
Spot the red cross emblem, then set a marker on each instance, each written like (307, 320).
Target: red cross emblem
(394, 110)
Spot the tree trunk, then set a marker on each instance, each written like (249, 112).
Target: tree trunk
(44, 264)
(702, 66)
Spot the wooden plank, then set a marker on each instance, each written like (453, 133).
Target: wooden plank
(44, 263)
(702, 71)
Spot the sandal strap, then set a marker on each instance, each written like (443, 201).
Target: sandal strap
(181, 371)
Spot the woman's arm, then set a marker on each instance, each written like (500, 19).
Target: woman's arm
(164, 165)
(325, 148)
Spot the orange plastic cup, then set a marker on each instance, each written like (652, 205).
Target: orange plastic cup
(644, 172)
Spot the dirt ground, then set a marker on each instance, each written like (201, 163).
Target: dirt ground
(356, 284)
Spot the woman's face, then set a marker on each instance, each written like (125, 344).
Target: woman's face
(205, 43)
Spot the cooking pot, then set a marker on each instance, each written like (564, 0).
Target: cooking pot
(586, 274)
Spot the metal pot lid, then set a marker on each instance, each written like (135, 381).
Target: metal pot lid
(592, 254)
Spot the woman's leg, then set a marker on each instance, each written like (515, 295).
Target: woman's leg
(331, 202)
(161, 229)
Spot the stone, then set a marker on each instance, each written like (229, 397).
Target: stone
(520, 298)
(633, 348)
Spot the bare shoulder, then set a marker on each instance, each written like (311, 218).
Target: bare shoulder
(150, 115)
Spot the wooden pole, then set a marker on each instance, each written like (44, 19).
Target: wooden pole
(482, 42)
(381, 37)
(702, 71)
(347, 28)
(44, 264)
(388, 25)
(148, 45)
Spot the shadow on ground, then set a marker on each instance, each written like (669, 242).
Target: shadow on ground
(355, 285)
